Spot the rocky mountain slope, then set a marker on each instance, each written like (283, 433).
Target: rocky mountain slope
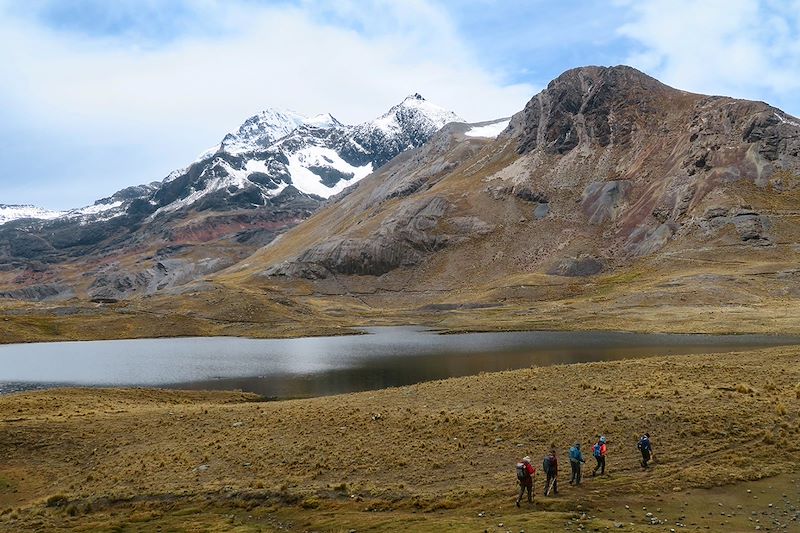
(267, 176)
(606, 171)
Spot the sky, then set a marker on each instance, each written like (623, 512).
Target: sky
(98, 95)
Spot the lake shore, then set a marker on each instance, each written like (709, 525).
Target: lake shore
(432, 456)
(83, 322)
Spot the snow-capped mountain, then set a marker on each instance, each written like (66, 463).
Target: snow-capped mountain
(270, 174)
(102, 209)
(317, 156)
(16, 212)
(260, 131)
(407, 125)
(272, 150)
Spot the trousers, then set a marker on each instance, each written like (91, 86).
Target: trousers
(576, 472)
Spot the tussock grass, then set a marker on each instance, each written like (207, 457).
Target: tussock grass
(440, 453)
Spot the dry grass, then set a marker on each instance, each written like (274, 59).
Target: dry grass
(438, 454)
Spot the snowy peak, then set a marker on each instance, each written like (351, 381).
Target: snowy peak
(16, 212)
(323, 121)
(406, 125)
(261, 130)
(415, 111)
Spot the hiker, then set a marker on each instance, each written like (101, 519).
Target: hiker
(525, 473)
(550, 467)
(599, 451)
(575, 460)
(646, 448)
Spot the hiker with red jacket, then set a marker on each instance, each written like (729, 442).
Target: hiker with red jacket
(599, 451)
(525, 473)
(550, 467)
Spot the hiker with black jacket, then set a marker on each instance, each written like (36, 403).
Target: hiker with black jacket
(550, 467)
(646, 448)
(525, 473)
(575, 461)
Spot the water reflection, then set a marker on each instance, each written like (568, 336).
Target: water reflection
(316, 366)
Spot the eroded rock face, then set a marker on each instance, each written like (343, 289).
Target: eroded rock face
(114, 282)
(577, 267)
(602, 201)
(647, 157)
(588, 103)
(750, 226)
(40, 293)
(404, 239)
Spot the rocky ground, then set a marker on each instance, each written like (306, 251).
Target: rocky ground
(429, 457)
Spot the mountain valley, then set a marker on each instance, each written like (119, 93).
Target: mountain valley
(610, 201)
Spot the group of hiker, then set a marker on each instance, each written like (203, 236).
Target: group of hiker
(526, 471)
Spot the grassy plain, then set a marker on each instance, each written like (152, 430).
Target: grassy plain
(430, 457)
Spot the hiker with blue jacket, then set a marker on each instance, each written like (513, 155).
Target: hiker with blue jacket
(646, 448)
(575, 461)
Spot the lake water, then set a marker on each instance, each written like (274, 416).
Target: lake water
(318, 366)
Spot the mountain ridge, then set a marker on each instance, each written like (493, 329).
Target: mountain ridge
(273, 173)
(604, 171)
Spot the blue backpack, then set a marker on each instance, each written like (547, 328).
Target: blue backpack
(596, 449)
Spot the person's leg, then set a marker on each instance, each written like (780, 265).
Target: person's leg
(603, 466)
(530, 492)
(596, 468)
(572, 477)
(578, 476)
(521, 492)
(555, 485)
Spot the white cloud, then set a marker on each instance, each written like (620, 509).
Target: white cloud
(742, 48)
(184, 94)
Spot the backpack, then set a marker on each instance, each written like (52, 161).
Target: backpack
(596, 449)
(574, 454)
(547, 464)
(522, 472)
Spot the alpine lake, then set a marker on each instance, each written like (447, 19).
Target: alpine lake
(318, 366)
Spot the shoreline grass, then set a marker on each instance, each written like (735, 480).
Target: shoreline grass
(439, 454)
